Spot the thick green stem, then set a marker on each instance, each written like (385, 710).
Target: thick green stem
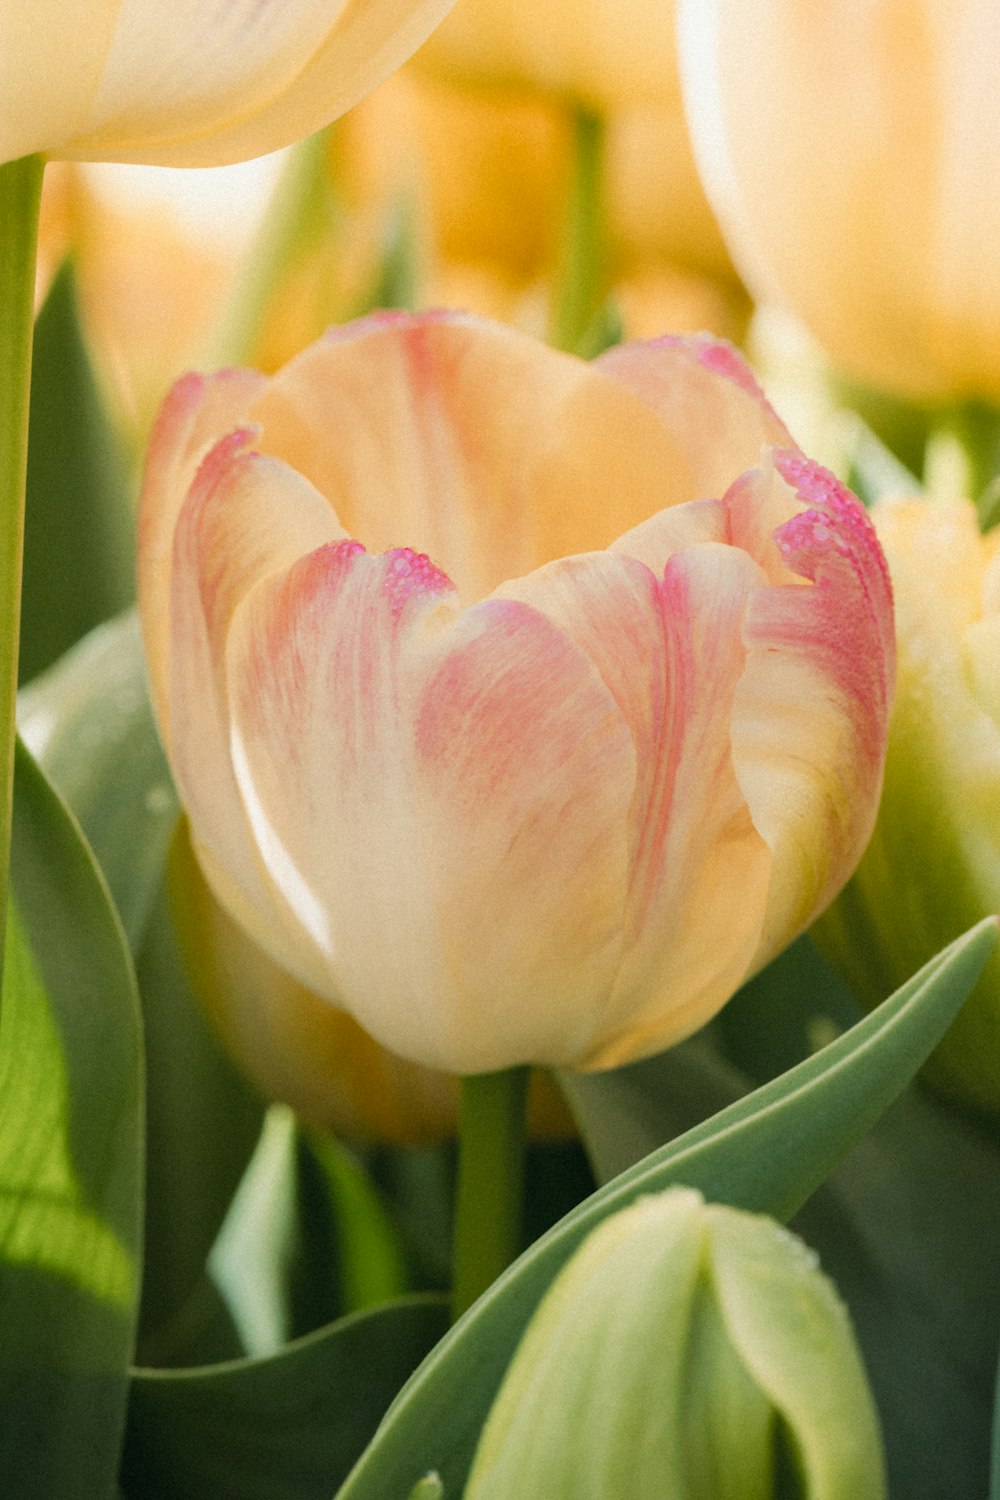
(20, 199)
(490, 1181)
(580, 277)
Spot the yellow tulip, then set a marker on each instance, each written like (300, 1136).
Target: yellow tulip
(191, 83)
(933, 865)
(592, 730)
(850, 153)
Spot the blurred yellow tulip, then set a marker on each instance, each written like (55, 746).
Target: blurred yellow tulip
(553, 795)
(850, 152)
(600, 54)
(933, 865)
(192, 83)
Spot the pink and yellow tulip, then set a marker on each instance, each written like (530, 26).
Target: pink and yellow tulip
(520, 706)
(193, 83)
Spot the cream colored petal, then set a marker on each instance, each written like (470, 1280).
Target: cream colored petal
(204, 82)
(52, 57)
(811, 713)
(443, 796)
(672, 654)
(504, 454)
(866, 198)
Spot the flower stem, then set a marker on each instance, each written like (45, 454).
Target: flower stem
(490, 1181)
(580, 276)
(20, 200)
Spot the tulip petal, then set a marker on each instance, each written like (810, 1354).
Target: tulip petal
(47, 86)
(672, 654)
(203, 82)
(811, 713)
(246, 518)
(451, 788)
(707, 398)
(504, 454)
(194, 415)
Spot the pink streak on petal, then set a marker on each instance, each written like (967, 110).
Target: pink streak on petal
(812, 714)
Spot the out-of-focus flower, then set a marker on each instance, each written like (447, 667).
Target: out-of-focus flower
(597, 53)
(933, 865)
(482, 177)
(301, 1050)
(849, 153)
(589, 733)
(665, 1356)
(194, 83)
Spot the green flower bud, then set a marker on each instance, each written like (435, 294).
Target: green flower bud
(665, 1359)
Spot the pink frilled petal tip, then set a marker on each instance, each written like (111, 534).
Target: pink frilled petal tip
(520, 706)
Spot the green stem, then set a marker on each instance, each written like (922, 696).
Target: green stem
(581, 272)
(20, 201)
(490, 1181)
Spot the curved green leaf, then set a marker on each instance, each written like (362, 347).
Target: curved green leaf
(287, 1427)
(89, 722)
(70, 1156)
(768, 1152)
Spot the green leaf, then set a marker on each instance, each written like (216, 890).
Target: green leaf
(70, 1156)
(628, 1112)
(287, 1427)
(203, 1122)
(89, 722)
(908, 1227)
(907, 1224)
(306, 1240)
(79, 537)
(767, 1153)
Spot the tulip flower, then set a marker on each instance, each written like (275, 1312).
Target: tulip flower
(933, 865)
(664, 1358)
(849, 153)
(194, 84)
(520, 706)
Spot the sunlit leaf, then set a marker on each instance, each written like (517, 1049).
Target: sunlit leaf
(70, 1154)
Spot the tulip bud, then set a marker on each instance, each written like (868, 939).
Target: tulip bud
(589, 734)
(665, 1358)
(195, 84)
(933, 865)
(848, 151)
